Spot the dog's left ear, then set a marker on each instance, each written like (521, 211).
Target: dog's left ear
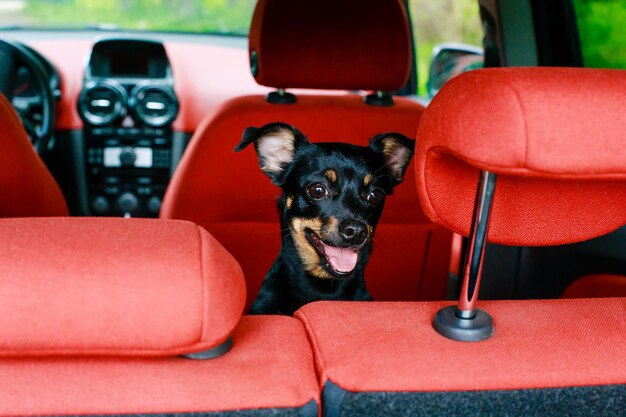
(396, 150)
(275, 145)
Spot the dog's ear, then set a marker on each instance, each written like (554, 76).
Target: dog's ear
(275, 145)
(396, 150)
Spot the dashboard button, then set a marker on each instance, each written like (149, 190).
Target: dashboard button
(127, 157)
(127, 202)
(100, 205)
(154, 205)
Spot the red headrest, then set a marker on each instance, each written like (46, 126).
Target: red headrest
(556, 138)
(330, 44)
(120, 287)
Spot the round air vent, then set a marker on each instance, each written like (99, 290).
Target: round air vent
(155, 105)
(102, 102)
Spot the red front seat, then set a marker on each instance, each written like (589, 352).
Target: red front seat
(561, 178)
(96, 314)
(26, 186)
(337, 45)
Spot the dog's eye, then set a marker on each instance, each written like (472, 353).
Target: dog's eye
(375, 197)
(317, 191)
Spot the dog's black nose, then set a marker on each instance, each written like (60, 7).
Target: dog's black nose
(353, 232)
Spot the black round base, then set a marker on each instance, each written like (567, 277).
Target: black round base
(448, 324)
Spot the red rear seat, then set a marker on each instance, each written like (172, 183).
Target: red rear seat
(561, 178)
(314, 44)
(94, 312)
(598, 285)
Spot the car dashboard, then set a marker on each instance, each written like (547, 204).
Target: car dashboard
(126, 107)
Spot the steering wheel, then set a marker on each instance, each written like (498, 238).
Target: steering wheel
(13, 56)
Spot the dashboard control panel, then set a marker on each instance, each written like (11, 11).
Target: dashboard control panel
(128, 105)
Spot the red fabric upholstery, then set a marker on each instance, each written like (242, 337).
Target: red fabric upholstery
(26, 186)
(537, 344)
(270, 365)
(227, 193)
(119, 287)
(331, 44)
(597, 286)
(554, 136)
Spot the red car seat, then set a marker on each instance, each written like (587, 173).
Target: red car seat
(561, 178)
(26, 185)
(597, 285)
(323, 45)
(139, 317)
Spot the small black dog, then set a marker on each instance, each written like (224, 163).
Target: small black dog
(333, 196)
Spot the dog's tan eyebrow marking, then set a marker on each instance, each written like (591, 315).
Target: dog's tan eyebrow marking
(289, 202)
(368, 179)
(331, 175)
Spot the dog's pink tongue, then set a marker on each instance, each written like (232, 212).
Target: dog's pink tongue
(341, 259)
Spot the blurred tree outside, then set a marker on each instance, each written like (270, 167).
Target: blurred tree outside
(602, 30)
(440, 21)
(201, 16)
(602, 23)
(433, 21)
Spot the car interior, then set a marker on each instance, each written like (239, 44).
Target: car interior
(133, 239)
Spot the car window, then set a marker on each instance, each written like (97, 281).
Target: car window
(602, 31)
(438, 22)
(230, 17)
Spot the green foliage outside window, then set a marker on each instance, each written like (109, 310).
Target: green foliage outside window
(601, 23)
(602, 30)
(433, 21)
(202, 16)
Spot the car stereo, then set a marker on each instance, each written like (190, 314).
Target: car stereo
(128, 105)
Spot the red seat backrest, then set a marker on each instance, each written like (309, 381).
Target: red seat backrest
(27, 187)
(290, 47)
(227, 193)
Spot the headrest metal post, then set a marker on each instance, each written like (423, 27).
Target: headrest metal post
(379, 98)
(465, 322)
(478, 241)
(280, 96)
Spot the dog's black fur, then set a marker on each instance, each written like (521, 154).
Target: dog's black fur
(332, 193)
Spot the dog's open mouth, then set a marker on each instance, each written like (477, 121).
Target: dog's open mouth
(341, 261)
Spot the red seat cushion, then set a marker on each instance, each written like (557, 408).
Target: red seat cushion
(537, 344)
(227, 193)
(557, 164)
(26, 185)
(269, 366)
(599, 285)
(114, 287)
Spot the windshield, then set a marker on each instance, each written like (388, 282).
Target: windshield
(229, 17)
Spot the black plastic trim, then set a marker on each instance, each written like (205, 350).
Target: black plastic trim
(212, 353)
(556, 33)
(307, 410)
(136, 96)
(333, 397)
(449, 322)
(119, 110)
(280, 97)
(578, 401)
(379, 98)
(254, 63)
